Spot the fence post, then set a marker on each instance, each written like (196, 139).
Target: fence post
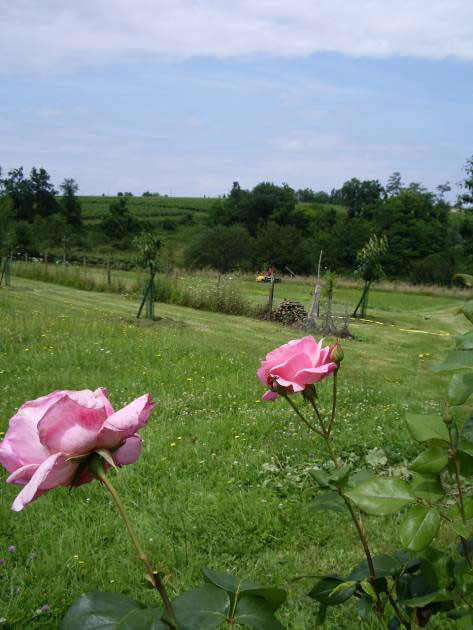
(271, 297)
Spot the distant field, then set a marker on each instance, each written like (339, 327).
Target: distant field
(97, 207)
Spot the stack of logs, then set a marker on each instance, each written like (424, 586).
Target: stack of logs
(290, 312)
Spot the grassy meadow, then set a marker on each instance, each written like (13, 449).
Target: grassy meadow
(223, 479)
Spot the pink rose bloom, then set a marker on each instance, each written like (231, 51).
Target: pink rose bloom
(295, 365)
(47, 434)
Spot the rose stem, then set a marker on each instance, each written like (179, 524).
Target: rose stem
(155, 578)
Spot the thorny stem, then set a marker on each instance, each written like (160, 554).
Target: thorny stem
(301, 416)
(397, 610)
(325, 433)
(334, 402)
(462, 510)
(319, 417)
(154, 576)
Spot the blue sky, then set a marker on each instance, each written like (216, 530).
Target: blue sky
(189, 119)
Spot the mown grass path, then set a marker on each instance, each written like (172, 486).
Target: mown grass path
(223, 478)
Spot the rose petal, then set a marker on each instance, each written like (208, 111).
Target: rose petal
(55, 471)
(128, 452)
(313, 375)
(125, 422)
(92, 400)
(22, 475)
(21, 445)
(289, 368)
(70, 428)
(269, 395)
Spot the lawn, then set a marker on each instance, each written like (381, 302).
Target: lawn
(223, 478)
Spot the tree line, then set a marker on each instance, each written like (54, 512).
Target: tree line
(427, 241)
(268, 225)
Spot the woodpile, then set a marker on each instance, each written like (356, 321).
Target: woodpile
(290, 312)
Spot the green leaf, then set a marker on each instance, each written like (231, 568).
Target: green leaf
(227, 582)
(427, 487)
(330, 501)
(424, 428)
(460, 388)
(466, 279)
(321, 477)
(360, 477)
(467, 308)
(464, 342)
(432, 460)
(384, 566)
(202, 608)
(255, 612)
(465, 623)
(274, 597)
(369, 590)
(340, 475)
(467, 429)
(381, 495)
(430, 598)
(466, 446)
(107, 456)
(419, 527)
(456, 360)
(437, 567)
(322, 591)
(461, 528)
(111, 610)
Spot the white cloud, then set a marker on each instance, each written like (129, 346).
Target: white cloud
(57, 35)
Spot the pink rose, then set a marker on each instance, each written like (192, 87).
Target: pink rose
(47, 434)
(295, 365)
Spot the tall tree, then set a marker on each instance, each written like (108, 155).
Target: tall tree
(44, 194)
(71, 206)
(394, 184)
(361, 197)
(467, 196)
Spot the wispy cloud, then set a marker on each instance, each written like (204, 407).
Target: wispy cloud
(59, 35)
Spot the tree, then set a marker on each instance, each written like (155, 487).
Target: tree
(443, 189)
(71, 206)
(7, 226)
(255, 208)
(360, 197)
(467, 185)
(370, 268)
(148, 247)
(415, 227)
(44, 194)
(394, 184)
(18, 189)
(119, 224)
(50, 232)
(224, 248)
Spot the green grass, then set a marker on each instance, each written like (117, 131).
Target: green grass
(222, 480)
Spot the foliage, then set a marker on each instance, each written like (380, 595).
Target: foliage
(467, 196)
(222, 247)
(148, 247)
(369, 258)
(405, 588)
(120, 224)
(361, 197)
(70, 204)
